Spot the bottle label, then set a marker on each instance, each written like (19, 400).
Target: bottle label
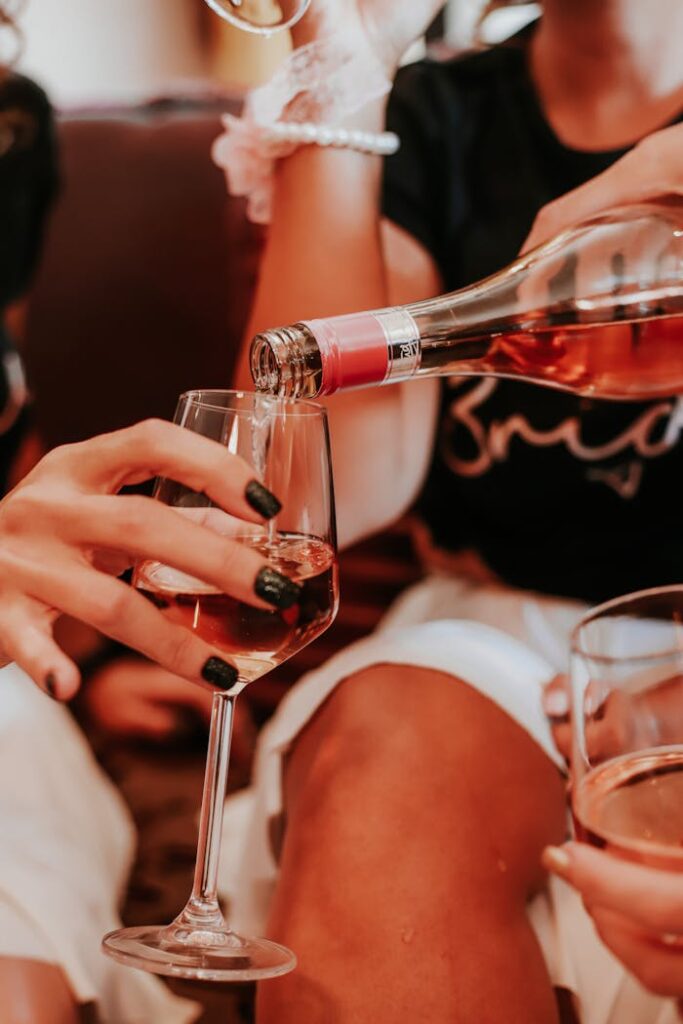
(366, 348)
(403, 344)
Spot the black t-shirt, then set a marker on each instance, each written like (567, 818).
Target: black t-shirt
(28, 179)
(559, 494)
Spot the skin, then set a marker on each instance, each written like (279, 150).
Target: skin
(132, 698)
(607, 73)
(633, 906)
(652, 168)
(427, 862)
(35, 993)
(638, 912)
(66, 533)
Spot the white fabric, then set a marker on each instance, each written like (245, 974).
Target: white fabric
(507, 644)
(248, 151)
(323, 83)
(66, 845)
(86, 53)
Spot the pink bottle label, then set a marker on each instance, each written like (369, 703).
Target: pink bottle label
(354, 350)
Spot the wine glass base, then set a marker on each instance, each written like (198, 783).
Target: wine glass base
(199, 954)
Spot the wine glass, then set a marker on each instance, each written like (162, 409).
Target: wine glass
(261, 16)
(287, 444)
(627, 727)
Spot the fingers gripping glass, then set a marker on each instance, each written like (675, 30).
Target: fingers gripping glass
(627, 727)
(287, 444)
(261, 16)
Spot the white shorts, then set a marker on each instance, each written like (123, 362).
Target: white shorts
(507, 644)
(66, 847)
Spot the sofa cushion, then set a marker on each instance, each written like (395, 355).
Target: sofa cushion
(148, 269)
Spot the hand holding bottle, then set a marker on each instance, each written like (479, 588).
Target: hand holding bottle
(652, 168)
(65, 533)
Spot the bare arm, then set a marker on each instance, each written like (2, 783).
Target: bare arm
(328, 252)
(65, 532)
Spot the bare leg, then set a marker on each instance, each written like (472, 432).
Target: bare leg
(34, 992)
(416, 813)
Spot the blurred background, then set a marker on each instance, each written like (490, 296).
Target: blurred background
(123, 52)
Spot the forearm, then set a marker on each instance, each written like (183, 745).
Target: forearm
(323, 253)
(327, 253)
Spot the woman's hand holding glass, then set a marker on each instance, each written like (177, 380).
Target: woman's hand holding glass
(65, 534)
(637, 910)
(287, 444)
(626, 765)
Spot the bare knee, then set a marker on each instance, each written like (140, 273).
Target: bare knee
(399, 750)
(34, 992)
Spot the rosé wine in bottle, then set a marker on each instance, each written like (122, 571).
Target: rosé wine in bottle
(633, 806)
(597, 311)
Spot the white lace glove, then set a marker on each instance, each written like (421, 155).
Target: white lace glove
(347, 59)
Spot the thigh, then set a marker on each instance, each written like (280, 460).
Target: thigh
(416, 811)
(390, 701)
(35, 992)
(401, 746)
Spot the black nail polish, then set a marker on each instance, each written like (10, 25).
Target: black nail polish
(51, 684)
(261, 499)
(219, 673)
(276, 589)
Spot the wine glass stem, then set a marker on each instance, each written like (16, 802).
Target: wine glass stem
(203, 903)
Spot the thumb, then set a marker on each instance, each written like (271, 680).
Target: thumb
(556, 699)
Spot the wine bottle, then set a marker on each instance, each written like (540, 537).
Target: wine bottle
(598, 310)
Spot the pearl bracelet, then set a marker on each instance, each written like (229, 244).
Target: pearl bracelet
(377, 143)
(247, 152)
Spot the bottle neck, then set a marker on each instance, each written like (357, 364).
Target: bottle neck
(287, 361)
(579, 279)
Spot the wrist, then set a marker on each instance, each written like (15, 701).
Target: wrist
(371, 117)
(324, 82)
(331, 92)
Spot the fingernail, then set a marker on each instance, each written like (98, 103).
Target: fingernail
(261, 499)
(219, 673)
(51, 685)
(556, 703)
(276, 589)
(557, 860)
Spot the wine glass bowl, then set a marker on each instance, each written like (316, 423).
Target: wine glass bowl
(287, 445)
(263, 17)
(627, 727)
(255, 640)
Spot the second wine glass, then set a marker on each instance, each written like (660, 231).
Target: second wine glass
(627, 727)
(287, 444)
